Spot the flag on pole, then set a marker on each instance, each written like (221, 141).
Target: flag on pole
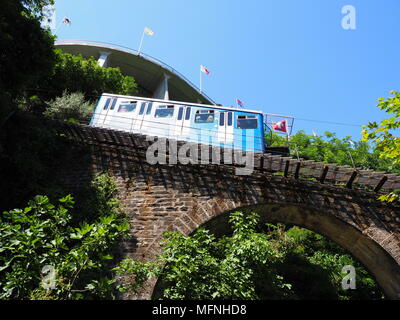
(240, 103)
(67, 21)
(204, 70)
(148, 31)
(280, 126)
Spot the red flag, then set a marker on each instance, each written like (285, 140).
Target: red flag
(204, 70)
(280, 126)
(240, 103)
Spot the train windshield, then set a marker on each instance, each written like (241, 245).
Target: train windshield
(247, 122)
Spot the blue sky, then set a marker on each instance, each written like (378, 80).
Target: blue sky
(289, 57)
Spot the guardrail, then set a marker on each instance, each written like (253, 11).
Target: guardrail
(264, 162)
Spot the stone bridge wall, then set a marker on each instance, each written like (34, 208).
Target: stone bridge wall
(183, 198)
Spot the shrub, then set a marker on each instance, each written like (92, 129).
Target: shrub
(70, 106)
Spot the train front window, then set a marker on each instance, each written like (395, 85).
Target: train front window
(165, 112)
(247, 122)
(204, 116)
(127, 107)
(114, 103)
(107, 104)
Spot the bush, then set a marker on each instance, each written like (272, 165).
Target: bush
(277, 264)
(70, 106)
(43, 237)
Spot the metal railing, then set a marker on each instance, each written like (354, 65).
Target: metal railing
(171, 130)
(136, 53)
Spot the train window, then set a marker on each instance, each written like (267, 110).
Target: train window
(188, 113)
(204, 116)
(247, 122)
(114, 103)
(127, 107)
(180, 113)
(164, 112)
(230, 119)
(222, 119)
(150, 106)
(107, 104)
(142, 107)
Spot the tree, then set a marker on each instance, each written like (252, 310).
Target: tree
(26, 50)
(70, 106)
(45, 237)
(77, 74)
(383, 135)
(330, 149)
(255, 262)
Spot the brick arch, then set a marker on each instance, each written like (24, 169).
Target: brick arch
(372, 252)
(353, 219)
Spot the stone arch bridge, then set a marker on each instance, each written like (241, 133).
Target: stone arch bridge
(338, 202)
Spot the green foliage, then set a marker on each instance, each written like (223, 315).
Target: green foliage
(78, 74)
(36, 6)
(330, 149)
(43, 235)
(383, 135)
(27, 51)
(70, 106)
(250, 264)
(316, 260)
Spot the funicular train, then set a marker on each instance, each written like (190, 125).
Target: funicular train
(206, 124)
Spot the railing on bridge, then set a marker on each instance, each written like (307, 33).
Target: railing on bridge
(263, 162)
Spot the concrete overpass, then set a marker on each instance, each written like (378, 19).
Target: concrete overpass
(155, 78)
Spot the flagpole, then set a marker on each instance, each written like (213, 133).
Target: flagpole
(59, 25)
(200, 82)
(141, 43)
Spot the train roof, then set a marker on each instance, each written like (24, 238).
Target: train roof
(183, 103)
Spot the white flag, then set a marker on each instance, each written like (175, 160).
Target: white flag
(148, 31)
(204, 70)
(67, 21)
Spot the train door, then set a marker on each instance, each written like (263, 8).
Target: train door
(137, 122)
(110, 117)
(126, 114)
(182, 123)
(164, 121)
(225, 128)
(147, 119)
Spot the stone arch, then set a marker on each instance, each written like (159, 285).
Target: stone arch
(371, 246)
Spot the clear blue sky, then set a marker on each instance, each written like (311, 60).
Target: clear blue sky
(289, 57)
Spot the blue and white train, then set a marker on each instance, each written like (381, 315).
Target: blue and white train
(207, 124)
